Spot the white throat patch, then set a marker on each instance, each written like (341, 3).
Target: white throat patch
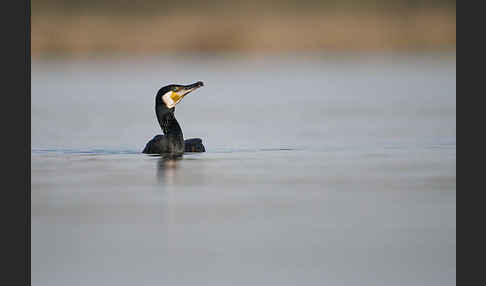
(167, 98)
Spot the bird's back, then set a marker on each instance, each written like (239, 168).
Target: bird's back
(194, 145)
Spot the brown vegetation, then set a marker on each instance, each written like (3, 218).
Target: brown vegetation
(78, 34)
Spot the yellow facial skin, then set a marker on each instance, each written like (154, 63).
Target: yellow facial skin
(176, 96)
(172, 98)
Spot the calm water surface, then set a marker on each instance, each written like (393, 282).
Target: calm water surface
(318, 171)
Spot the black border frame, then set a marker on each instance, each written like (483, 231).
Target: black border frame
(16, 143)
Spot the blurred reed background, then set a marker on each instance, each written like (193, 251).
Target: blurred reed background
(330, 135)
(70, 28)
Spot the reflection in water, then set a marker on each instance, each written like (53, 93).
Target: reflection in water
(181, 171)
(166, 169)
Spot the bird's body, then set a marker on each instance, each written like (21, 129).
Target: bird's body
(172, 142)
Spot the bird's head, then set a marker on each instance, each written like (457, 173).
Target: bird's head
(171, 95)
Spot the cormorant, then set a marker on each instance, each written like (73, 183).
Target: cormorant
(172, 142)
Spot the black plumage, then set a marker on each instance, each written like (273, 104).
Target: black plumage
(172, 142)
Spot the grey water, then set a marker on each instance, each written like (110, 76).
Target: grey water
(319, 170)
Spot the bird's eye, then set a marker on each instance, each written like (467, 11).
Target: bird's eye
(174, 89)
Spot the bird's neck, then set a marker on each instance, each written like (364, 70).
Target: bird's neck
(169, 124)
